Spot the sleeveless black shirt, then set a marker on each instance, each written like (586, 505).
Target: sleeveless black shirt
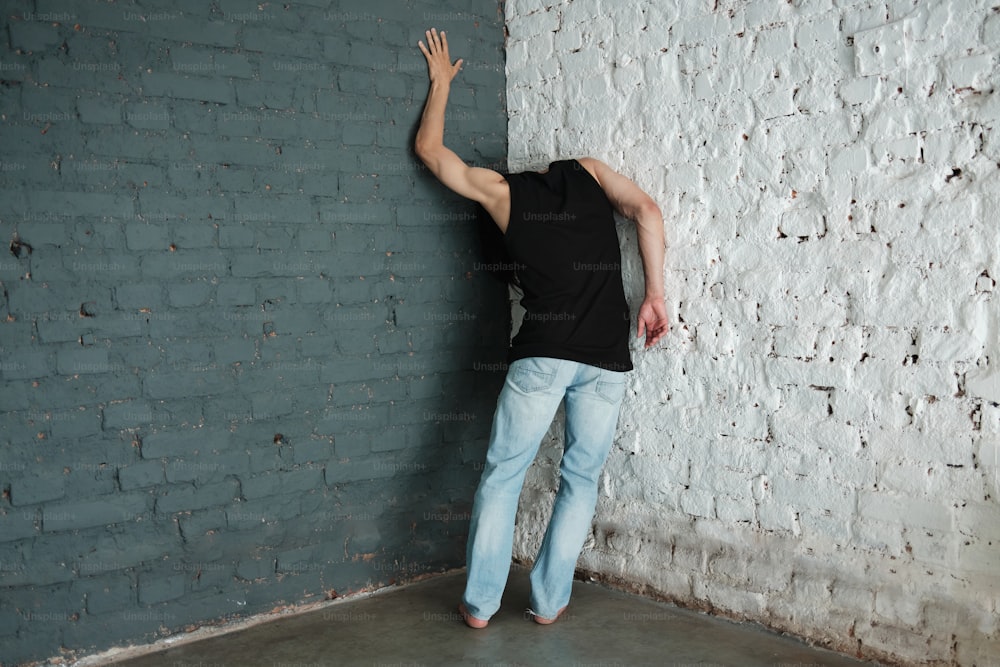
(562, 238)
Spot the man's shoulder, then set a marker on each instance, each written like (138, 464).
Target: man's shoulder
(589, 164)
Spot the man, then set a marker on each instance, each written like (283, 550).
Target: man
(558, 226)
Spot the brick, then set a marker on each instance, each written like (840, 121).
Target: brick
(354, 81)
(182, 86)
(195, 235)
(154, 587)
(70, 361)
(346, 213)
(280, 238)
(144, 236)
(251, 569)
(236, 293)
(212, 33)
(26, 364)
(138, 296)
(99, 109)
(236, 236)
(206, 467)
(253, 94)
(312, 451)
(352, 444)
(44, 571)
(77, 515)
(261, 486)
(106, 593)
(352, 418)
(292, 482)
(393, 439)
(190, 294)
(34, 35)
(179, 324)
(259, 265)
(262, 39)
(203, 522)
(154, 535)
(296, 560)
(344, 471)
(269, 406)
(263, 514)
(275, 209)
(234, 350)
(302, 480)
(140, 475)
(83, 204)
(180, 443)
(189, 263)
(75, 424)
(191, 59)
(147, 116)
(17, 524)
(315, 290)
(188, 497)
(233, 65)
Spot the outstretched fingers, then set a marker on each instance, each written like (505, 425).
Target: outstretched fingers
(436, 52)
(435, 43)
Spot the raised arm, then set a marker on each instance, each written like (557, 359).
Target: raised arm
(482, 185)
(631, 202)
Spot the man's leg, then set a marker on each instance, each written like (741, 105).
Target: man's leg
(527, 403)
(592, 405)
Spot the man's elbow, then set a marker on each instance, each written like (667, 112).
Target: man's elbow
(648, 210)
(428, 153)
(423, 150)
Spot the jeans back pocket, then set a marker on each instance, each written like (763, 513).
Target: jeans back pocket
(532, 374)
(611, 389)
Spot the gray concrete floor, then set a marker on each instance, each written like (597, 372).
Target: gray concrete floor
(418, 625)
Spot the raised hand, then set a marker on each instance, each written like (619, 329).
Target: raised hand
(439, 65)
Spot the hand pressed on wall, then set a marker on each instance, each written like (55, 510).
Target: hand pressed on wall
(439, 66)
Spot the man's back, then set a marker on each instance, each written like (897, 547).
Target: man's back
(561, 233)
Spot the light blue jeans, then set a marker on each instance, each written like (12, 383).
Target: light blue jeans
(527, 404)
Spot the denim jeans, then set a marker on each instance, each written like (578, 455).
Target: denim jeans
(531, 394)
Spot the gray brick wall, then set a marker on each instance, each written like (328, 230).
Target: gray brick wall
(241, 325)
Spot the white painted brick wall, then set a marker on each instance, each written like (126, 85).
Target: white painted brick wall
(817, 444)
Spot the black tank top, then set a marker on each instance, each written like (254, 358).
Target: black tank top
(562, 238)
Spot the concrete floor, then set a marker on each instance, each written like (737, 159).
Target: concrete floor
(418, 625)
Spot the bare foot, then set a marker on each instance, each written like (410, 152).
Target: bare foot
(548, 621)
(470, 620)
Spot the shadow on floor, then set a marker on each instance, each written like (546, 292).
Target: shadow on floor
(418, 625)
